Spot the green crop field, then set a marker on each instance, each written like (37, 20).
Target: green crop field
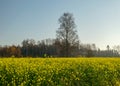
(59, 71)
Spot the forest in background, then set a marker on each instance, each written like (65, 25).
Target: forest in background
(66, 44)
(50, 48)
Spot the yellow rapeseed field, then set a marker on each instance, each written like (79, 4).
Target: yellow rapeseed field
(59, 71)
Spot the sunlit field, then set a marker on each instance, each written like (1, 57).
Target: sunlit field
(59, 71)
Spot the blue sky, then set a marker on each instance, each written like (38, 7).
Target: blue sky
(98, 21)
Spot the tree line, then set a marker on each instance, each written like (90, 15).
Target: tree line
(66, 44)
(50, 48)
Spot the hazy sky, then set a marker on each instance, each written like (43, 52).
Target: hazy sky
(98, 21)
